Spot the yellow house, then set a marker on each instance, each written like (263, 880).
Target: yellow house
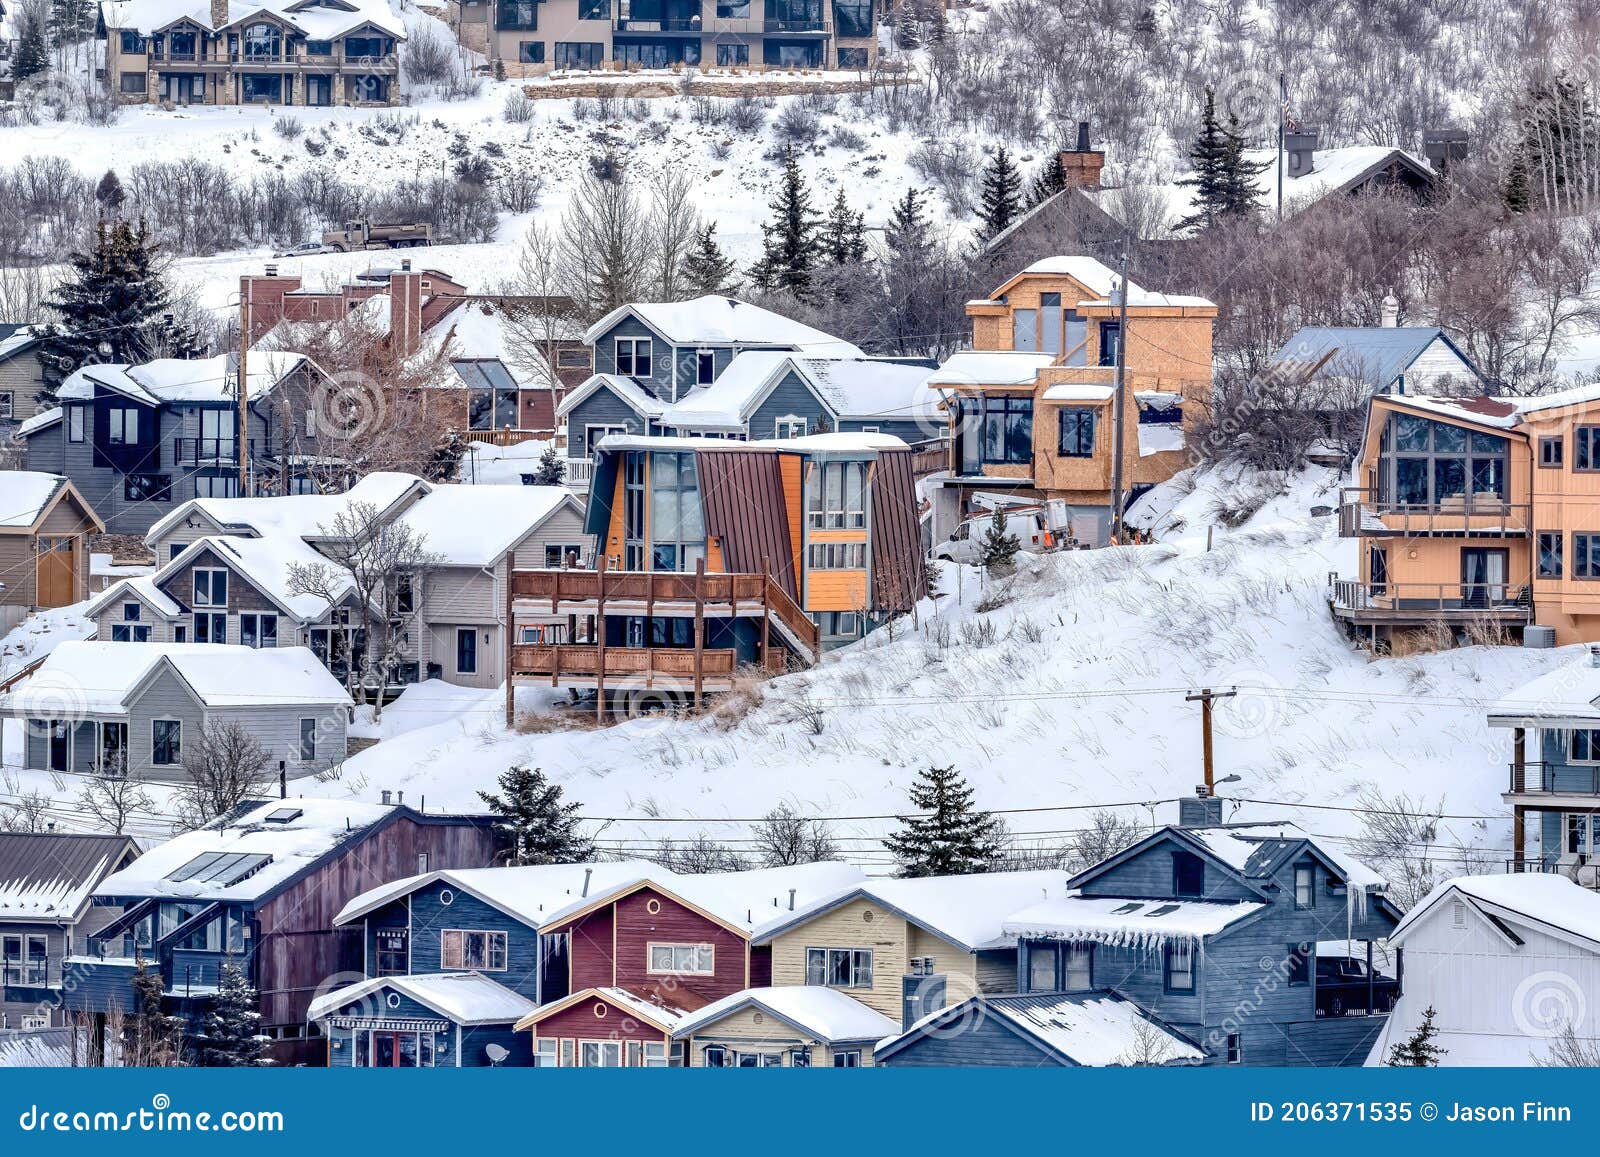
(1477, 514)
(1032, 404)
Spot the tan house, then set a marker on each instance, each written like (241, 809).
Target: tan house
(1032, 403)
(535, 37)
(875, 954)
(1475, 516)
(45, 525)
(316, 53)
(21, 374)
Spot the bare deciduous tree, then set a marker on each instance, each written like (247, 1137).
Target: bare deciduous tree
(784, 838)
(224, 766)
(114, 799)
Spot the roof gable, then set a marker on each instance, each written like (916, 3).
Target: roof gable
(1168, 839)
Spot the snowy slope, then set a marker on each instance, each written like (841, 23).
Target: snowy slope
(1089, 659)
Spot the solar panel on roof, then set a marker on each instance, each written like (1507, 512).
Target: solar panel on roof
(196, 865)
(219, 866)
(285, 815)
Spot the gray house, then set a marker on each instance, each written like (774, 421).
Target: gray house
(139, 440)
(225, 564)
(47, 882)
(649, 355)
(102, 708)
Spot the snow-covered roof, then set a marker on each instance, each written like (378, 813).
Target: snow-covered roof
(968, 911)
(1083, 1028)
(858, 388)
(1079, 392)
(824, 1013)
(317, 20)
(273, 852)
(267, 563)
(1123, 922)
(1571, 692)
(105, 565)
(49, 876)
(529, 893)
(476, 331)
(1375, 355)
(1543, 898)
(464, 998)
(97, 678)
(40, 421)
(172, 380)
(474, 525)
(990, 368)
(836, 443)
(642, 401)
(15, 339)
(664, 1018)
(1160, 437)
(302, 515)
(721, 321)
(24, 495)
(1102, 282)
(140, 587)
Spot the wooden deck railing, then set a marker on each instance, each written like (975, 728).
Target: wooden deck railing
(506, 436)
(1445, 600)
(1362, 514)
(584, 661)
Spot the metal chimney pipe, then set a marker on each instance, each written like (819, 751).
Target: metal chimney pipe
(791, 899)
(587, 872)
(1083, 136)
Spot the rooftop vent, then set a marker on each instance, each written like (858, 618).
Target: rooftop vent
(1301, 149)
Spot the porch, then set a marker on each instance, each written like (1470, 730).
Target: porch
(1363, 513)
(1419, 604)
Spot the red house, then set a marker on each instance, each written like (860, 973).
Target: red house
(641, 955)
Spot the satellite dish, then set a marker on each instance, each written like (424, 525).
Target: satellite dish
(496, 1053)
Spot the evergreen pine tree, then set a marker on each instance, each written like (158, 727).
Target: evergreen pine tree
(71, 21)
(113, 308)
(109, 193)
(543, 830)
(999, 547)
(789, 241)
(705, 268)
(150, 1038)
(1238, 190)
(1050, 180)
(232, 1034)
(844, 234)
(32, 54)
(1209, 157)
(953, 838)
(907, 233)
(1418, 1050)
(552, 470)
(1002, 195)
(1514, 191)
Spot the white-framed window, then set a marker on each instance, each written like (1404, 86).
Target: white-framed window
(35, 1020)
(122, 426)
(634, 357)
(166, 742)
(130, 633)
(705, 367)
(1235, 1049)
(7, 399)
(1077, 969)
(847, 1059)
(790, 426)
(839, 967)
(258, 630)
(838, 555)
(836, 495)
(1585, 746)
(600, 1054)
(547, 1053)
(655, 1054)
(463, 949)
(869, 429)
(1305, 885)
(25, 958)
(210, 587)
(74, 423)
(683, 959)
(308, 740)
(593, 433)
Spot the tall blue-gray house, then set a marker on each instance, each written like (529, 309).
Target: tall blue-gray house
(1213, 945)
(452, 960)
(720, 367)
(138, 441)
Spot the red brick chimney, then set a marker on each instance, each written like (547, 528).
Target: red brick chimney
(405, 310)
(1082, 164)
(261, 300)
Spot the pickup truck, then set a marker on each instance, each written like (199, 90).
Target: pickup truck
(1342, 987)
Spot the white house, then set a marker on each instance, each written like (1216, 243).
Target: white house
(1508, 963)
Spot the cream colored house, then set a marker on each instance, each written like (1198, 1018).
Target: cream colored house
(789, 1027)
(315, 53)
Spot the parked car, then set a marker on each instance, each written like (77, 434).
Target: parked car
(1342, 987)
(1038, 527)
(306, 249)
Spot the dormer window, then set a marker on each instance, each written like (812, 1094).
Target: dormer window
(1188, 875)
(634, 357)
(1305, 885)
(705, 367)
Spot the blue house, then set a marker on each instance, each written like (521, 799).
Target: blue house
(1253, 942)
(720, 367)
(453, 959)
(260, 887)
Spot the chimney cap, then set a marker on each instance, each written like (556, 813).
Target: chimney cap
(272, 269)
(405, 265)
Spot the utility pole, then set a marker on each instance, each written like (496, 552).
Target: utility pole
(1283, 113)
(244, 390)
(1206, 697)
(1119, 394)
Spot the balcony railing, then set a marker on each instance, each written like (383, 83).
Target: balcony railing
(633, 665)
(1537, 778)
(194, 451)
(504, 436)
(814, 24)
(657, 24)
(580, 471)
(1363, 514)
(1421, 602)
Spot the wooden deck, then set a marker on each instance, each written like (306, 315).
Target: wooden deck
(1417, 604)
(1362, 515)
(632, 668)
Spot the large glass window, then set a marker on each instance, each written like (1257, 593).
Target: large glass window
(1077, 433)
(633, 354)
(517, 15)
(262, 42)
(839, 967)
(492, 394)
(852, 19)
(1426, 463)
(677, 530)
(1007, 429)
(166, 742)
(572, 54)
(1586, 556)
(462, 950)
(122, 426)
(836, 495)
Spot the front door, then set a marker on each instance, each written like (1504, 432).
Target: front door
(55, 573)
(319, 91)
(1483, 576)
(394, 1050)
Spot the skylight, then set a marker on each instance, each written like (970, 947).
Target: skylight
(285, 815)
(1126, 909)
(221, 868)
(1163, 910)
